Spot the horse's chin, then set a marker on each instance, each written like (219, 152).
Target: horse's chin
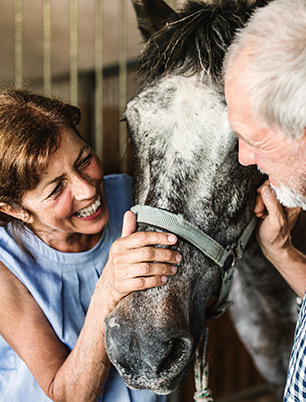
(163, 384)
(159, 386)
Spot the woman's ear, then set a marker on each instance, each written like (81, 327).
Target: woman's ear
(15, 212)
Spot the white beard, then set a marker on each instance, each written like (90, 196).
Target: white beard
(288, 197)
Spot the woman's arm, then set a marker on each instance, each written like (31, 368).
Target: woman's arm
(81, 375)
(78, 376)
(274, 237)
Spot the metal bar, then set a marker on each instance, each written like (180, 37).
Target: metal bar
(73, 51)
(122, 81)
(47, 47)
(99, 78)
(18, 43)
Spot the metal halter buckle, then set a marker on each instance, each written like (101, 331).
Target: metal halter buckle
(231, 253)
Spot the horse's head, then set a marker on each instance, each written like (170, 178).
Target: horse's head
(186, 163)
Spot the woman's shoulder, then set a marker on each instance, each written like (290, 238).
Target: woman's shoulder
(11, 287)
(10, 250)
(5, 235)
(14, 297)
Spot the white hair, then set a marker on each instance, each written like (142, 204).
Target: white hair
(274, 41)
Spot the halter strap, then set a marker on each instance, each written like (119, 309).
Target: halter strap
(175, 223)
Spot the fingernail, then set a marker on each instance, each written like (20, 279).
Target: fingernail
(173, 269)
(267, 191)
(172, 238)
(164, 279)
(178, 257)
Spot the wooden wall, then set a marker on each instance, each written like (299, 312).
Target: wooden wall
(113, 162)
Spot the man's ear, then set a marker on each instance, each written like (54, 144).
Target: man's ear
(18, 213)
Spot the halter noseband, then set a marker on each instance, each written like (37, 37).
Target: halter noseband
(178, 225)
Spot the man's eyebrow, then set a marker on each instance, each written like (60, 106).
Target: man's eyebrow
(241, 138)
(59, 178)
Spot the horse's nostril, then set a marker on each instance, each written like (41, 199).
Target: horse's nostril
(171, 360)
(177, 355)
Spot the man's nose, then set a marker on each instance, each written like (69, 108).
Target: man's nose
(246, 154)
(83, 188)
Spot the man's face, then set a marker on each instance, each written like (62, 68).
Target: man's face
(282, 159)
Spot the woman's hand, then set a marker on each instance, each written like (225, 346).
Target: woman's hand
(135, 264)
(274, 232)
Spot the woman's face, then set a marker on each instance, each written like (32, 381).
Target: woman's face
(70, 196)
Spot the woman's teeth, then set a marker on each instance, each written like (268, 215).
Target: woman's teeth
(92, 209)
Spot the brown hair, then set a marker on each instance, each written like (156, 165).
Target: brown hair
(30, 127)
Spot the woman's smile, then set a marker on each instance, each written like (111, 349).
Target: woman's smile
(91, 211)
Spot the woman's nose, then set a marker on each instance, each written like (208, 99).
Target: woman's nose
(83, 188)
(246, 154)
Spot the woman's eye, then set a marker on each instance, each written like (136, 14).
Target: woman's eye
(57, 190)
(85, 161)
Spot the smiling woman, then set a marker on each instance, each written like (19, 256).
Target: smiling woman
(64, 173)
(69, 199)
(63, 265)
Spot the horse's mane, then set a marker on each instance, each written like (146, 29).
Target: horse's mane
(195, 39)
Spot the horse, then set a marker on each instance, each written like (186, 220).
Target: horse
(186, 163)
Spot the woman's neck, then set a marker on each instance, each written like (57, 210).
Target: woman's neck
(69, 242)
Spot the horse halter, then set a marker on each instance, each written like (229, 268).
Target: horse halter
(225, 258)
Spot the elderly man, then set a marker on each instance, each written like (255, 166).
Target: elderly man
(265, 87)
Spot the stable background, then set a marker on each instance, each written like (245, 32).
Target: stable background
(85, 52)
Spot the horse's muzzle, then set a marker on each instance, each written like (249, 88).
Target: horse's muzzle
(146, 357)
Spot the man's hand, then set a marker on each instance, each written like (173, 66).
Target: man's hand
(274, 237)
(274, 232)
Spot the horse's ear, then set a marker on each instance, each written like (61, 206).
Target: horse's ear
(258, 3)
(152, 15)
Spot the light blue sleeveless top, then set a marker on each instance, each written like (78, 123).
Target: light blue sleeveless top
(62, 284)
